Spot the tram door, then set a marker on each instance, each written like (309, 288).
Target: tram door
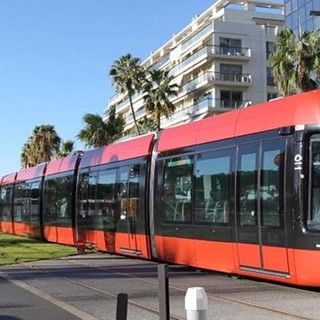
(261, 233)
(129, 222)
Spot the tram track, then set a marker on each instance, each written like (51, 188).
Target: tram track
(210, 296)
(103, 292)
(274, 312)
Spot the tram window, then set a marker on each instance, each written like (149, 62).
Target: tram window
(58, 201)
(82, 195)
(6, 203)
(314, 219)
(26, 202)
(271, 190)
(212, 187)
(247, 175)
(122, 189)
(20, 201)
(105, 200)
(176, 200)
(133, 196)
(35, 201)
(84, 203)
(128, 192)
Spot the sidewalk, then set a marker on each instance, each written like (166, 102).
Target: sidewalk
(19, 301)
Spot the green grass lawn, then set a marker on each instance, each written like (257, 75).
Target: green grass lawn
(15, 249)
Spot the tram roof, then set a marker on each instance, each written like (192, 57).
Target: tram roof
(130, 149)
(302, 108)
(9, 178)
(31, 173)
(63, 164)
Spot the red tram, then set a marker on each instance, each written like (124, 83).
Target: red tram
(237, 193)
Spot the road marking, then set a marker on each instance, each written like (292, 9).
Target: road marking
(49, 298)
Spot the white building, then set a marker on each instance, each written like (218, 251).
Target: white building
(219, 61)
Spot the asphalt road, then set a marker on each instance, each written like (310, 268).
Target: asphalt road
(87, 287)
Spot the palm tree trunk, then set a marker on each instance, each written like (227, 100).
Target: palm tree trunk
(133, 115)
(158, 120)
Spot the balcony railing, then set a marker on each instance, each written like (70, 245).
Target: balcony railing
(209, 103)
(209, 51)
(138, 113)
(234, 77)
(163, 60)
(202, 53)
(180, 115)
(204, 106)
(231, 104)
(200, 35)
(202, 79)
(231, 51)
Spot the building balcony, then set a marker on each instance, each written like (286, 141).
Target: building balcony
(190, 61)
(160, 63)
(217, 105)
(125, 104)
(232, 78)
(203, 80)
(138, 113)
(207, 52)
(234, 53)
(204, 107)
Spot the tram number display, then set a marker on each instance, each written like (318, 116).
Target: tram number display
(298, 162)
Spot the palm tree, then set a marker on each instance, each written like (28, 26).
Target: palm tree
(128, 77)
(283, 60)
(115, 124)
(296, 62)
(147, 125)
(97, 132)
(66, 148)
(46, 142)
(308, 56)
(40, 147)
(27, 155)
(157, 93)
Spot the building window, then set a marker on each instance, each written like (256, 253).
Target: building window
(270, 48)
(230, 72)
(272, 95)
(231, 99)
(270, 78)
(230, 46)
(231, 68)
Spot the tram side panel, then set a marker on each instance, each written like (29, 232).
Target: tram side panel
(111, 201)
(58, 199)
(26, 202)
(6, 194)
(6, 222)
(233, 193)
(58, 211)
(27, 208)
(193, 211)
(111, 207)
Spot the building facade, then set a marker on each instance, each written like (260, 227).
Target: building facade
(219, 61)
(302, 15)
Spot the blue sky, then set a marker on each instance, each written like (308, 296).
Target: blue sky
(55, 56)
